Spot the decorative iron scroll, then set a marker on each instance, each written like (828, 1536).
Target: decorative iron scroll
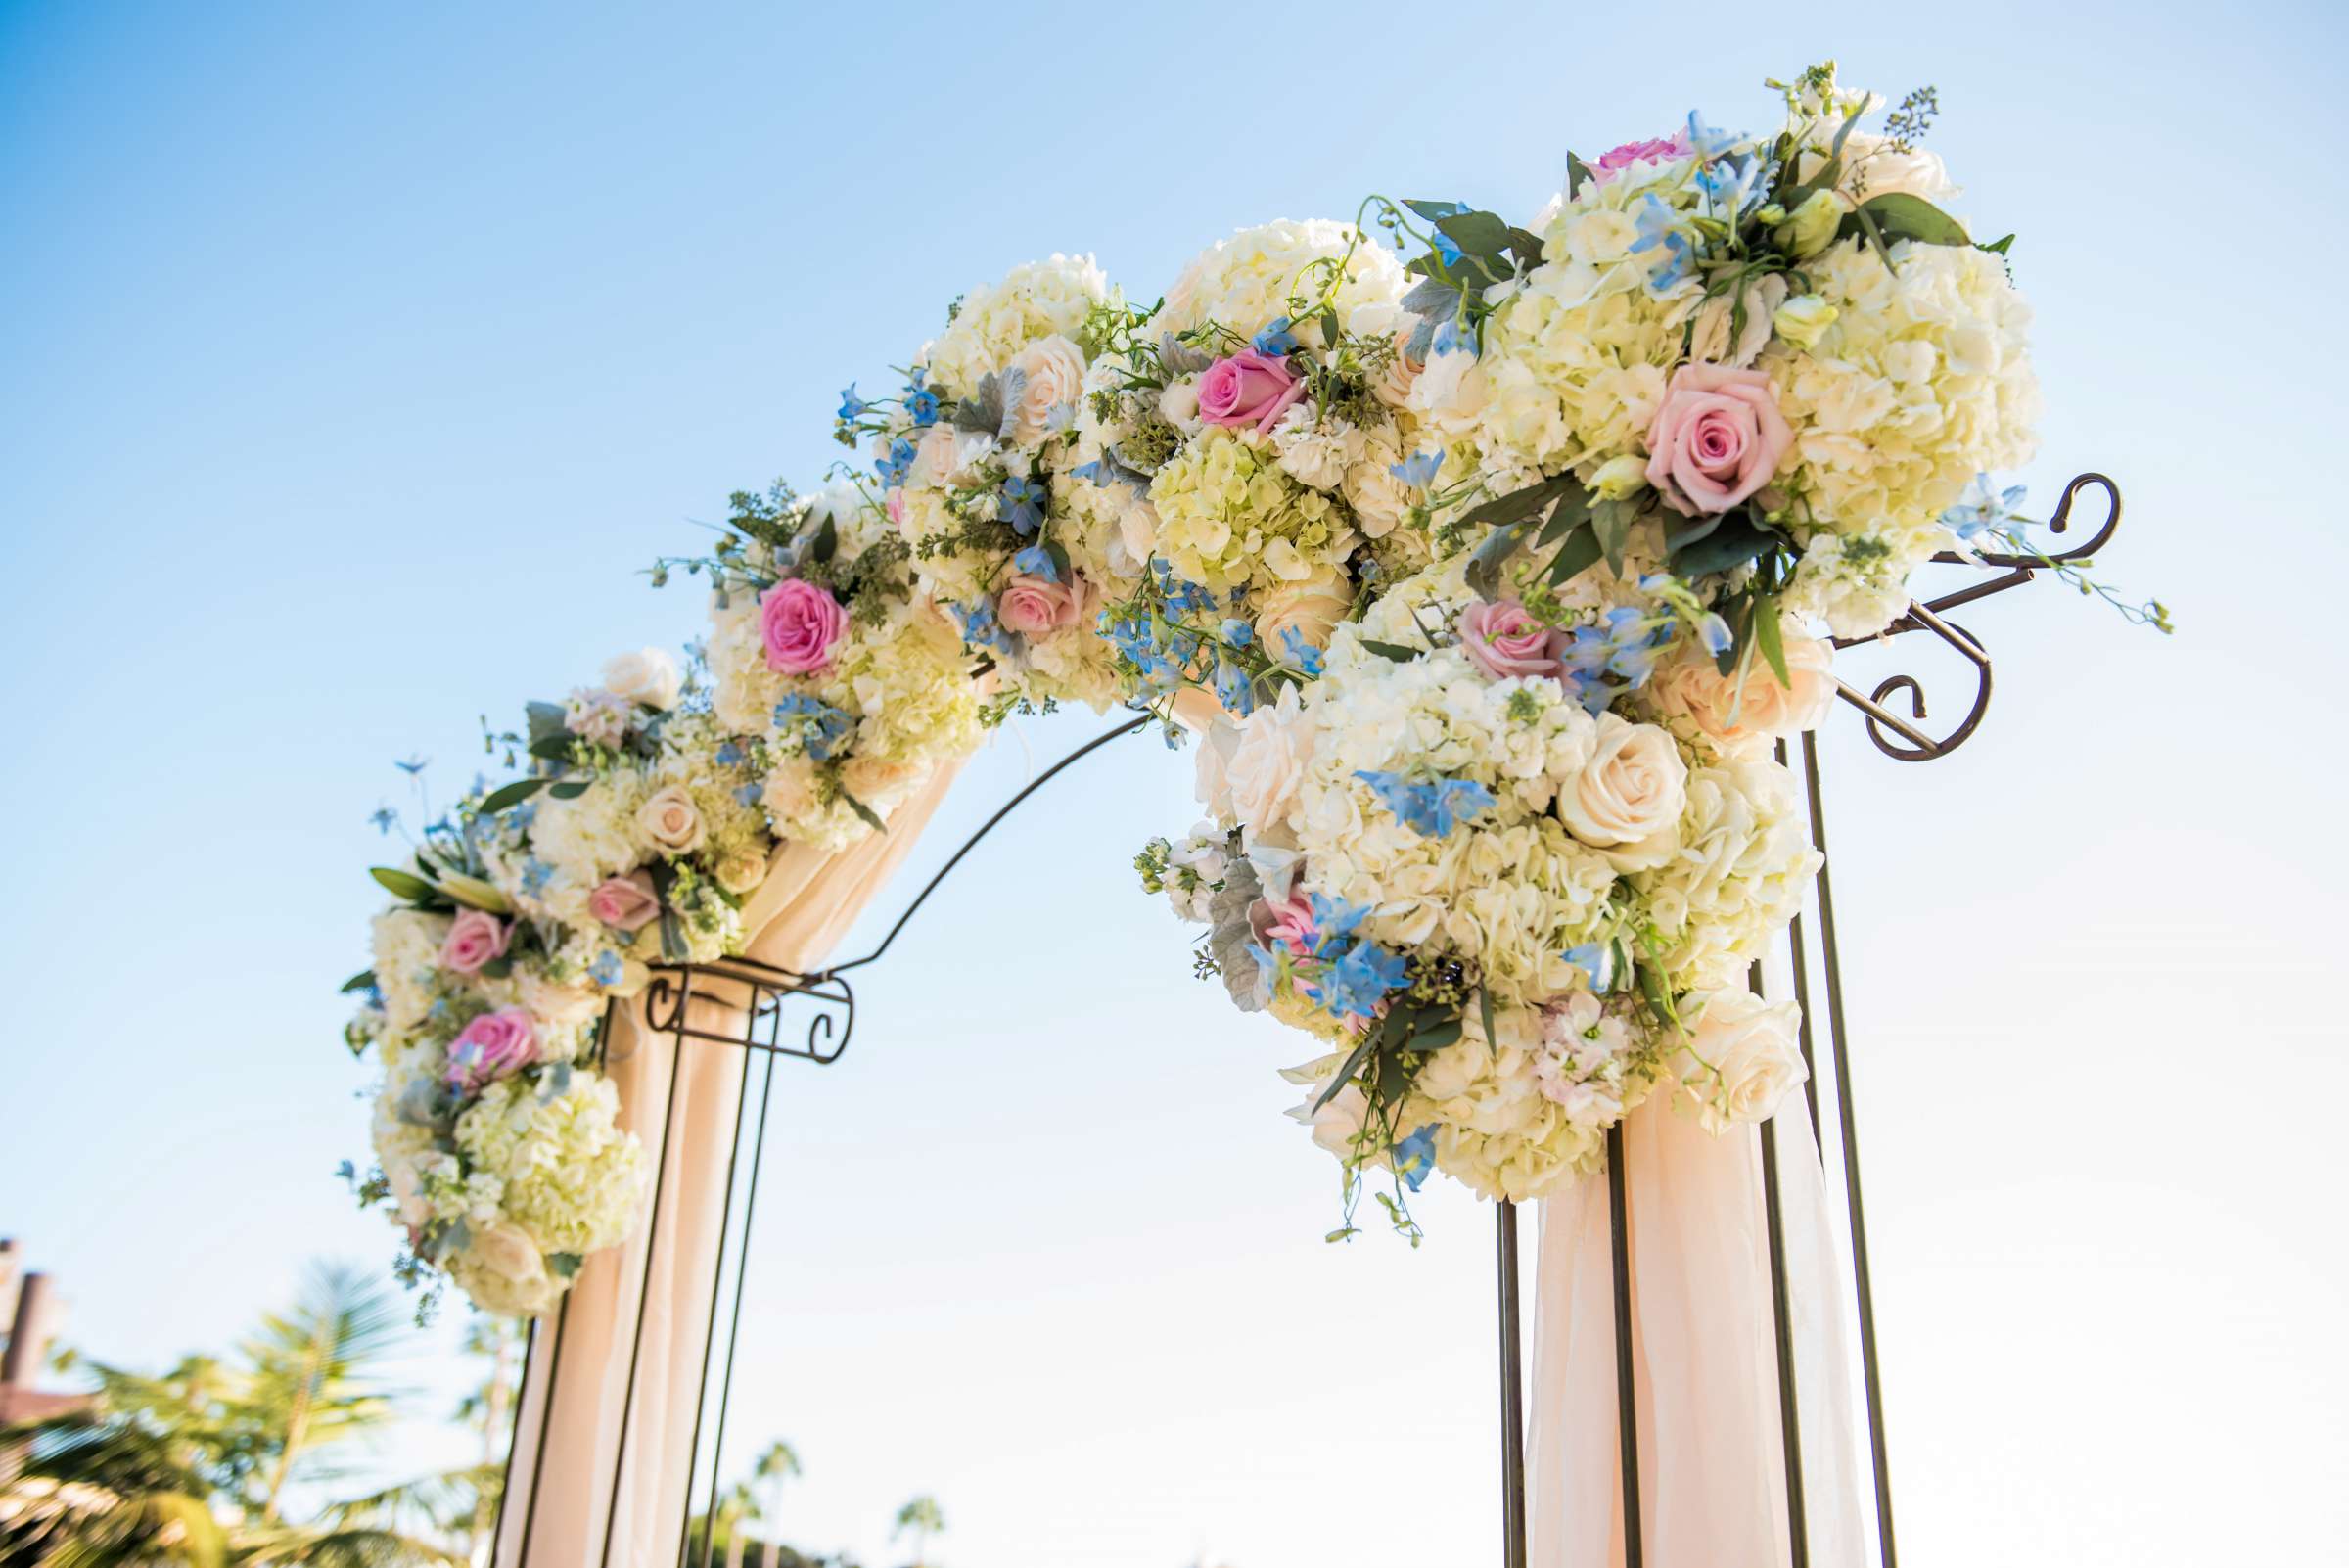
(756, 994)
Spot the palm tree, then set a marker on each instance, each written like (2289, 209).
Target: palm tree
(192, 1467)
(923, 1518)
(780, 1462)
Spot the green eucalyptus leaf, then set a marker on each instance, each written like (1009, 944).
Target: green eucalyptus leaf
(1491, 553)
(1578, 176)
(364, 979)
(404, 885)
(570, 789)
(1767, 633)
(1354, 1063)
(864, 813)
(1574, 556)
(826, 543)
(1732, 544)
(1898, 215)
(514, 794)
(1391, 650)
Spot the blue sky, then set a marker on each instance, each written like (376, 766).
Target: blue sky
(359, 359)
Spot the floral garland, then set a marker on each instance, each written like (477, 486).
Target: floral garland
(1507, 554)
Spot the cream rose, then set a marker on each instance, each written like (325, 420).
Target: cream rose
(669, 821)
(1212, 786)
(738, 873)
(1743, 1061)
(1268, 765)
(1179, 405)
(1055, 372)
(1710, 335)
(649, 676)
(1626, 799)
(1741, 720)
(1312, 608)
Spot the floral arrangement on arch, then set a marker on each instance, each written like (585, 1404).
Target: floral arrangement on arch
(1505, 557)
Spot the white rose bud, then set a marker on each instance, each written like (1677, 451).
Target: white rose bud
(1809, 227)
(1620, 478)
(1804, 319)
(649, 676)
(1179, 404)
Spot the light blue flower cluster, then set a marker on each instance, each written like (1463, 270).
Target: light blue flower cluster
(1415, 1155)
(1301, 653)
(1352, 975)
(820, 726)
(980, 628)
(1984, 509)
(894, 467)
(1036, 561)
(1022, 504)
(1432, 810)
(1276, 340)
(1624, 645)
(921, 403)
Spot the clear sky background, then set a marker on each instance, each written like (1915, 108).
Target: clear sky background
(357, 358)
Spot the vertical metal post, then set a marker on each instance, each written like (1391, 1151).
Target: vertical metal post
(1841, 1043)
(718, 1273)
(1512, 1393)
(1626, 1401)
(741, 1284)
(1791, 1415)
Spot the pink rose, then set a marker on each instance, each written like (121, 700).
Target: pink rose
(626, 903)
(1615, 160)
(1248, 388)
(1717, 438)
(800, 623)
(492, 1047)
(472, 940)
(1501, 638)
(1033, 606)
(1288, 923)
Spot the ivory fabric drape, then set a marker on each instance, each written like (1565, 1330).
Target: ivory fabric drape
(1704, 1358)
(563, 1502)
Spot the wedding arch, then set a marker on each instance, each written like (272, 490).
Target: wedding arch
(1499, 574)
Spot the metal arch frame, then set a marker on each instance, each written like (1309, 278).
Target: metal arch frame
(768, 988)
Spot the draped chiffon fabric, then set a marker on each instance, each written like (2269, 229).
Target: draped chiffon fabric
(560, 1488)
(1713, 1488)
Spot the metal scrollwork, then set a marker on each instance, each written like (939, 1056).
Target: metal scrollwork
(1901, 739)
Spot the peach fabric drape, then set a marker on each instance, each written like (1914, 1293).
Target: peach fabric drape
(1704, 1358)
(563, 1502)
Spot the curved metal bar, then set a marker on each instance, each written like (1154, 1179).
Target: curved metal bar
(2058, 521)
(988, 826)
(1920, 747)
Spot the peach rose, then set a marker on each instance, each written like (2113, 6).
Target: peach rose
(1626, 799)
(669, 821)
(1312, 608)
(1036, 606)
(1742, 720)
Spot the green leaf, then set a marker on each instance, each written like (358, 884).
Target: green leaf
(1898, 215)
(570, 789)
(514, 794)
(1766, 632)
(1361, 1054)
(1518, 505)
(1526, 247)
(673, 938)
(1999, 246)
(1491, 553)
(404, 885)
(864, 813)
(1059, 559)
(1611, 525)
(1391, 650)
(1435, 1037)
(1734, 542)
(552, 748)
(1574, 556)
(545, 720)
(363, 980)
(563, 1265)
(1578, 176)
(1484, 1015)
(826, 543)
(1478, 234)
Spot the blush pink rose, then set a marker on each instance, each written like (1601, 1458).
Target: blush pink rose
(1717, 438)
(1615, 160)
(492, 1047)
(1288, 922)
(1501, 638)
(1248, 388)
(472, 940)
(800, 625)
(626, 903)
(1034, 606)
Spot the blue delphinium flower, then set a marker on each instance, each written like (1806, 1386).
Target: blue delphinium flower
(1235, 689)
(1022, 506)
(1982, 509)
(608, 970)
(730, 754)
(820, 726)
(1415, 1155)
(535, 875)
(1598, 960)
(1709, 141)
(1660, 227)
(1433, 810)
(1276, 340)
(384, 819)
(980, 628)
(921, 406)
(1036, 561)
(1301, 653)
(1713, 633)
(1419, 468)
(851, 406)
(894, 467)
(1356, 985)
(746, 794)
(1239, 634)
(1334, 920)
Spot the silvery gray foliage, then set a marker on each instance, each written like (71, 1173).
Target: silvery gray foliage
(1179, 359)
(1230, 934)
(989, 408)
(1434, 302)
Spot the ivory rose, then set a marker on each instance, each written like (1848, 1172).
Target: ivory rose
(1717, 438)
(1248, 388)
(1501, 638)
(649, 676)
(1034, 606)
(1312, 608)
(474, 940)
(504, 1271)
(1626, 799)
(1743, 1061)
(492, 1047)
(1212, 780)
(800, 625)
(1742, 718)
(1055, 372)
(738, 873)
(1267, 765)
(626, 903)
(669, 821)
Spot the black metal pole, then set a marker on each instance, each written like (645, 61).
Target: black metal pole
(741, 1284)
(1626, 1401)
(1512, 1393)
(505, 1481)
(546, 1424)
(1791, 1415)
(718, 1272)
(1841, 1043)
